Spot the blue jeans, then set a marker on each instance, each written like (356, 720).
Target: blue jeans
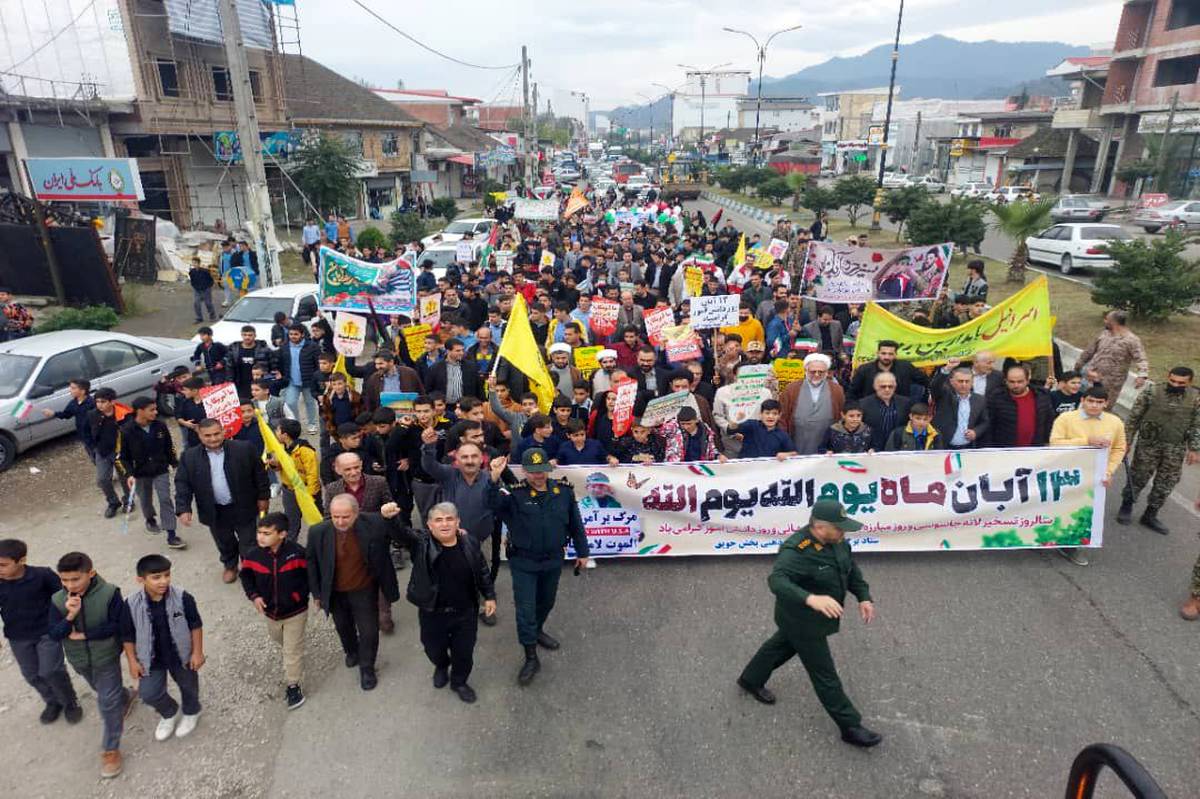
(153, 690)
(292, 395)
(110, 696)
(535, 587)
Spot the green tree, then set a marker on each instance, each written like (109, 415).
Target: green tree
(959, 221)
(797, 181)
(406, 227)
(819, 199)
(370, 238)
(756, 176)
(324, 171)
(445, 207)
(1019, 220)
(730, 178)
(853, 194)
(900, 204)
(775, 190)
(1152, 280)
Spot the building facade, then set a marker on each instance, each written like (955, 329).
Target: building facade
(845, 124)
(709, 100)
(789, 114)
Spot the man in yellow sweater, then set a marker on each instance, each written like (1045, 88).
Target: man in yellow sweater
(1090, 426)
(749, 328)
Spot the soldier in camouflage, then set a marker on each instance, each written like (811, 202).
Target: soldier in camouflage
(1165, 419)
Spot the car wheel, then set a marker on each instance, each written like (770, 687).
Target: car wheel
(1067, 266)
(8, 451)
(1151, 229)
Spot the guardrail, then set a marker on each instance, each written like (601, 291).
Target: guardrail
(752, 211)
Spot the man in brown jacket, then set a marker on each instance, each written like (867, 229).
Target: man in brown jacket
(811, 405)
(389, 376)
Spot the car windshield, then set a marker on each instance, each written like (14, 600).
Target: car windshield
(440, 258)
(1104, 232)
(459, 227)
(258, 309)
(14, 372)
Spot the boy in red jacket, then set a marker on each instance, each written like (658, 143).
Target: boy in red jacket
(275, 577)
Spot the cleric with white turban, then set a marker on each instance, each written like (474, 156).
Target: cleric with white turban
(811, 405)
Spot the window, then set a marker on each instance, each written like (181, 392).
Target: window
(390, 144)
(1177, 71)
(168, 78)
(115, 356)
(256, 85)
(222, 88)
(60, 370)
(1184, 14)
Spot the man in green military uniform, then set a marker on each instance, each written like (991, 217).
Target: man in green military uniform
(541, 515)
(812, 573)
(1165, 418)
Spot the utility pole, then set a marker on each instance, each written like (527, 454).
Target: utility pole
(703, 83)
(1161, 164)
(530, 137)
(257, 198)
(887, 122)
(762, 59)
(914, 163)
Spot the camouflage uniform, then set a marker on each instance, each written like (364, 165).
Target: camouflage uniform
(1167, 426)
(1111, 355)
(1196, 578)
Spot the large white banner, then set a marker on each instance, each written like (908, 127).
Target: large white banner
(907, 501)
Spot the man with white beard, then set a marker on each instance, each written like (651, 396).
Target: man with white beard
(812, 404)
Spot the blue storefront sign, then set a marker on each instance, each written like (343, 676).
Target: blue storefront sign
(85, 179)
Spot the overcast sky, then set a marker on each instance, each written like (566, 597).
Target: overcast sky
(614, 49)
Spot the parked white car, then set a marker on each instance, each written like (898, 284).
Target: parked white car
(36, 371)
(459, 228)
(258, 308)
(1180, 214)
(1007, 194)
(929, 183)
(443, 255)
(1072, 245)
(637, 183)
(971, 190)
(895, 180)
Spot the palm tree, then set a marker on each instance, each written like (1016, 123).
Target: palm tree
(796, 182)
(1019, 220)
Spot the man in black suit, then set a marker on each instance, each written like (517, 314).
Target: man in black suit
(229, 483)
(910, 381)
(961, 416)
(456, 376)
(884, 410)
(349, 565)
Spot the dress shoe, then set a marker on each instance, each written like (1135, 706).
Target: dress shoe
(548, 641)
(50, 713)
(1125, 513)
(228, 576)
(465, 692)
(111, 511)
(762, 693)
(367, 678)
(351, 659)
(488, 621)
(1151, 520)
(441, 676)
(530, 667)
(1190, 610)
(73, 713)
(861, 736)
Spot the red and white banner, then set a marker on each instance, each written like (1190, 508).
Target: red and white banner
(221, 403)
(603, 316)
(658, 319)
(622, 418)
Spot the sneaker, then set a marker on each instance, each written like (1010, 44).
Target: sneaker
(186, 725)
(111, 510)
(50, 713)
(165, 727)
(152, 527)
(295, 697)
(465, 692)
(1075, 555)
(174, 541)
(73, 713)
(110, 764)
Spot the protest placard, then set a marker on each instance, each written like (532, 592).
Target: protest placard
(681, 343)
(349, 333)
(221, 403)
(602, 318)
(693, 280)
(762, 258)
(778, 248)
(719, 310)
(348, 284)
(788, 370)
(660, 409)
(622, 415)
(585, 359)
(536, 210)
(840, 273)
(757, 374)
(656, 320)
(431, 310)
(547, 259)
(464, 252)
(414, 338)
(399, 401)
(503, 260)
(747, 398)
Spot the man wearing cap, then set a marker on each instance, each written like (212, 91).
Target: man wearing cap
(541, 516)
(812, 573)
(811, 405)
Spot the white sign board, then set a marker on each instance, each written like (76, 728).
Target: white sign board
(536, 210)
(349, 333)
(720, 310)
(464, 252)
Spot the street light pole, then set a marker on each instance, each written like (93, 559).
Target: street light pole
(703, 74)
(762, 59)
(887, 122)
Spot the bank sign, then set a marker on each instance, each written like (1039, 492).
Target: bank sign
(85, 179)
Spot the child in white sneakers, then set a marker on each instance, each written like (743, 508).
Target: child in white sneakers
(164, 635)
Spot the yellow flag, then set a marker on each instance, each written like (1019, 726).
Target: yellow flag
(308, 508)
(518, 347)
(339, 368)
(1018, 327)
(739, 255)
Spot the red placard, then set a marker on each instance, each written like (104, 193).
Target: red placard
(603, 316)
(221, 403)
(657, 319)
(622, 418)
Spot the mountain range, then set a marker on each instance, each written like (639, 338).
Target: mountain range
(937, 66)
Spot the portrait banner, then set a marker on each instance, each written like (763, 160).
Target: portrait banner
(1019, 327)
(840, 273)
(907, 501)
(347, 284)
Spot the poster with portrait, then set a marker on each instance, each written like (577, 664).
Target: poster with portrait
(839, 273)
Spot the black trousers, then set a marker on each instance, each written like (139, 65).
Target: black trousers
(449, 640)
(356, 618)
(234, 537)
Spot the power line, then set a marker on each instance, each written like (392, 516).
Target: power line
(50, 41)
(424, 46)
